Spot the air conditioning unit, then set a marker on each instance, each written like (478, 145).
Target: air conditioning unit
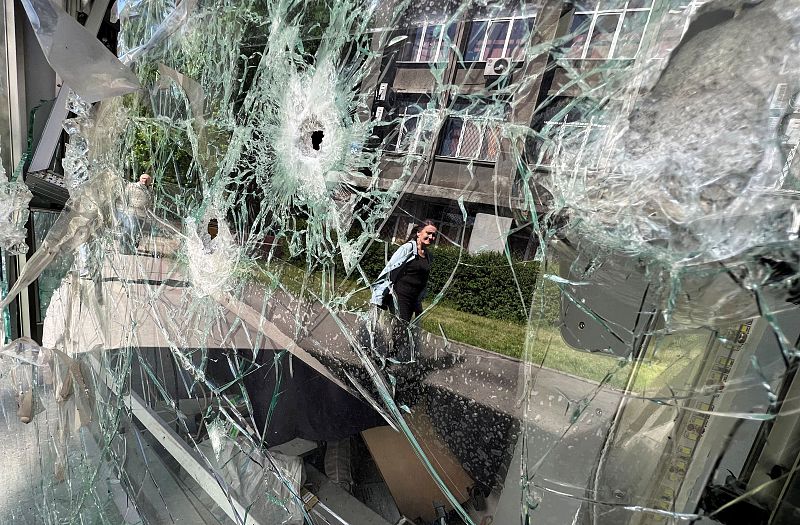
(496, 67)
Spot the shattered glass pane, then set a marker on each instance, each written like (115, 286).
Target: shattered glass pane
(14, 199)
(412, 262)
(79, 58)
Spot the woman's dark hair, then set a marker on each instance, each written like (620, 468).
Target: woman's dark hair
(418, 226)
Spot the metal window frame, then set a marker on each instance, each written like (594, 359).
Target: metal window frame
(420, 42)
(402, 132)
(483, 124)
(20, 308)
(489, 22)
(623, 12)
(587, 126)
(405, 116)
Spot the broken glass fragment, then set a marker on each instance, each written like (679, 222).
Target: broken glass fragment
(610, 331)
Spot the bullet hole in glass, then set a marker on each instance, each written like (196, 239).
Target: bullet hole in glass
(316, 139)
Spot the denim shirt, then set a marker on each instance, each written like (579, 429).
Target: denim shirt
(404, 253)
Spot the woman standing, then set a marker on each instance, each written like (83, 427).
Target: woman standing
(401, 285)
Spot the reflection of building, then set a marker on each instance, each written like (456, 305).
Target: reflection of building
(452, 91)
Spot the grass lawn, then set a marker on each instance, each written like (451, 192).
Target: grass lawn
(672, 355)
(665, 361)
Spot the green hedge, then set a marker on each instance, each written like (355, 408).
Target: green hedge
(483, 284)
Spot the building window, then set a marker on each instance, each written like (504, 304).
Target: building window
(608, 33)
(428, 44)
(474, 133)
(581, 138)
(451, 229)
(449, 221)
(408, 130)
(498, 38)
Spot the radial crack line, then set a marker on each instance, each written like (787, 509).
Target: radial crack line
(258, 322)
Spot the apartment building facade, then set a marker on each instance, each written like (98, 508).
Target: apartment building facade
(462, 88)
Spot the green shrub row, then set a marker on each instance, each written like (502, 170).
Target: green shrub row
(483, 284)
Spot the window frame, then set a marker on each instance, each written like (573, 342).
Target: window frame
(488, 126)
(489, 21)
(595, 15)
(402, 132)
(485, 126)
(587, 126)
(403, 117)
(419, 42)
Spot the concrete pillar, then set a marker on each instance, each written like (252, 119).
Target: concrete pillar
(489, 233)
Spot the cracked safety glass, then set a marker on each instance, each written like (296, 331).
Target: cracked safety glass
(401, 262)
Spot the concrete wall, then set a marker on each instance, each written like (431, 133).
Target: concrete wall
(489, 233)
(456, 174)
(413, 78)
